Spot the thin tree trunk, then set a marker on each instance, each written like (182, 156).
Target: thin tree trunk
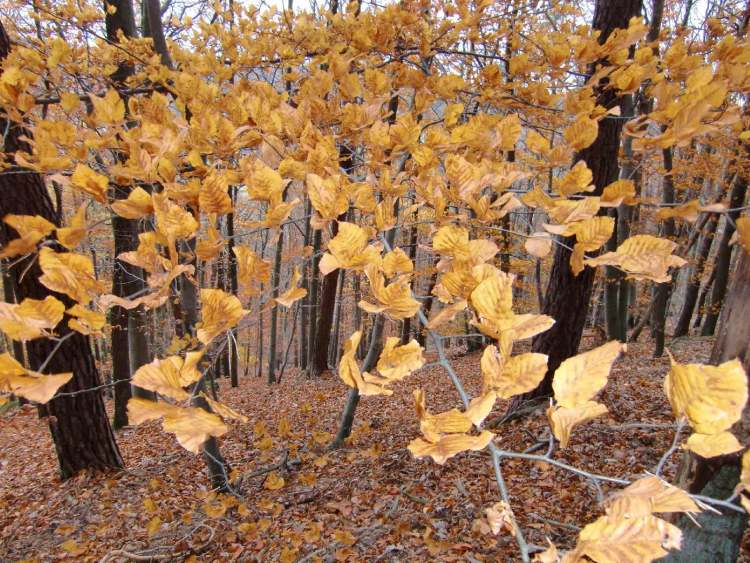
(703, 297)
(662, 291)
(314, 290)
(694, 282)
(724, 256)
(333, 348)
(275, 281)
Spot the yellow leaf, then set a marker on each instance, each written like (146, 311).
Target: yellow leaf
(687, 212)
(274, 482)
(224, 411)
(582, 132)
(643, 257)
(350, 373)
(86, 321)
(563, 419)
(648, 495)
(713, 445)
(153, 526)
(210, 247)
(711, 397)
(251, 271)
(518, 374)
(394, 299)
(509, 129)
(577, 179)
(294, 293)
(138, 204)
(493, 297)
(449, 446)
(214, 194)
(221, 312)
(447, 314)
(396, 362)
(93, 183)
(108, 109)
(72, 235)
(581, 377)
(72, 548)
(539, 244)
(626, 540)
(499, 517)
(31, 318)
(172, 221)
(349, 249)
(397, 262)
(69, 273)
(619, 191)
(170, 375)
(326, 196)
(191, 426)
(31, 229)
(742, 234)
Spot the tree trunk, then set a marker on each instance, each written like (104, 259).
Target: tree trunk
(233, 355)
(79, 425)
(719, 536)
(567, 296)
(694, 283)
(275, 281)
(314, 287)
(662, 291)
(724, 256)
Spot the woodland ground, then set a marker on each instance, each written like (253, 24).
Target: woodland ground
(369, 501)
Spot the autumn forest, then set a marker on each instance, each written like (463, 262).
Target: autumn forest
(334, 280)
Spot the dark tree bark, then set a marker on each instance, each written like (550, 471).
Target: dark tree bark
(233, 355)
(694, 283)
(79, 425)
(719, 536)
(662, 291)
(275, 281)
(724, 256)
(567, 296)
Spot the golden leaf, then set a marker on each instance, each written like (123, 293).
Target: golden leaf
(742, 234)
(397, 262)
(446, 314)
(539, 244)
(350, 373)
(172, 221)
(72, 235)
(90, 182)
(294, 293)
(251, 271)
(618, 192)
(711, 397)
(214, 194)
(30, 228)
(31, 318)
(394, 299)
(69, 273)
(643, 257)
(396, 362)
(274, 482)
(493, 298)
(563, 419)
(500, 516)
(138, 204)
(170, 375)
(86, 321)
(449, 446)
(518, 374)
(349, 249)
(648, 495)
(221, 311)
(577, 179)
(210, 247)
(509, 129)
(223, 410)
(581, 377)
(713, 445)
(191, 426)
(687, 212)
(108, 109)
(582, 132)
(326, 196)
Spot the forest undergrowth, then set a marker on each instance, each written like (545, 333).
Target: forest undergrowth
(298, 502)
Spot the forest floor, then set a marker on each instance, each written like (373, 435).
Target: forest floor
(369, 501)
